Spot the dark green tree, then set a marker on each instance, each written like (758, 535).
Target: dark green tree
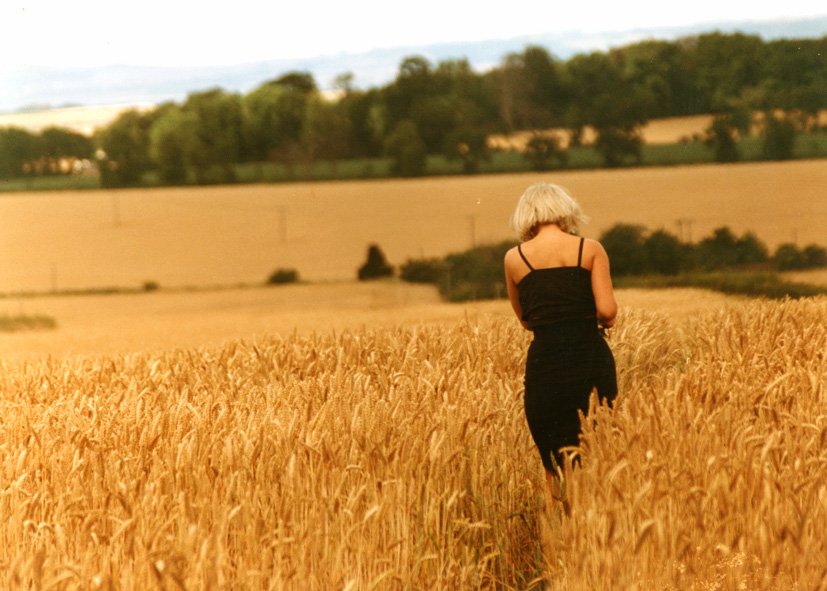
(125, 150)
(275, 115)
(175, 145)
(597, 82)
(219, 128)
(727, 67)
(17, 151)
(326, 130)
(533, 91)
(408, 151)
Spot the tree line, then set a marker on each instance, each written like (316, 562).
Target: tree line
(448, 108)
(722, 261)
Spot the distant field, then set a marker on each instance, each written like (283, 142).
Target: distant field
(240, 234)
(161, 321)
(83, 119)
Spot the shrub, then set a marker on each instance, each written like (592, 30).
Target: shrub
(624, 245)
(814, 256)
(473, 274)
(788, 257)
(151, 286)
(665, 254)
(375, 266)
(423, 270)
(476, 273)
(280, 276)
(749, 250)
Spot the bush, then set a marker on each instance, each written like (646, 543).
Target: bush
(280, 276)
(814, 256)
(375, 266)
(476, 273)
(788, 257)
(624, 245)
(469, 275)
(423, 270)
(665, 254)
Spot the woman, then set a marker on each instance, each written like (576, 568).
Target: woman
(560, 288)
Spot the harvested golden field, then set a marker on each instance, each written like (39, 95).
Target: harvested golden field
(82, 119)
(152, 322)
(240, 234)
(668, 130)
(400, 459)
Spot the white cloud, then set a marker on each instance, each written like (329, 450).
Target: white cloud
(176, 32)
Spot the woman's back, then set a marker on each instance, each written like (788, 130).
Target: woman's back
(556, 295)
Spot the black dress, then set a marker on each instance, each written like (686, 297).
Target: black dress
(568, 357)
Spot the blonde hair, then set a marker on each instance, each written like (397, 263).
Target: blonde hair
(546, 203)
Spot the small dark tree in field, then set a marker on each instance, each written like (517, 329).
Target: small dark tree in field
(779, 138)
(720, 136)
(375, 266)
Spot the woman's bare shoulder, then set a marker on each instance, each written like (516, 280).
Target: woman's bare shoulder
(590, 245)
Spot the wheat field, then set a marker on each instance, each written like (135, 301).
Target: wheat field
(239, 234)
(398, 458)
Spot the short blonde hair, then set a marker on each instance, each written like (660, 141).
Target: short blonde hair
(546, 203)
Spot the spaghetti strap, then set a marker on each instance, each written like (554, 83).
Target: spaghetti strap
(580, 252)
(525, 260)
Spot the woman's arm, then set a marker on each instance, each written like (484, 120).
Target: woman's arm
(511, 285)
(604, 297)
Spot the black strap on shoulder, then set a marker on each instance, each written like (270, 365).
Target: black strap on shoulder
(580, 252)
(525, 260)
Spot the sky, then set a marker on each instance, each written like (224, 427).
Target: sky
(219, 32)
